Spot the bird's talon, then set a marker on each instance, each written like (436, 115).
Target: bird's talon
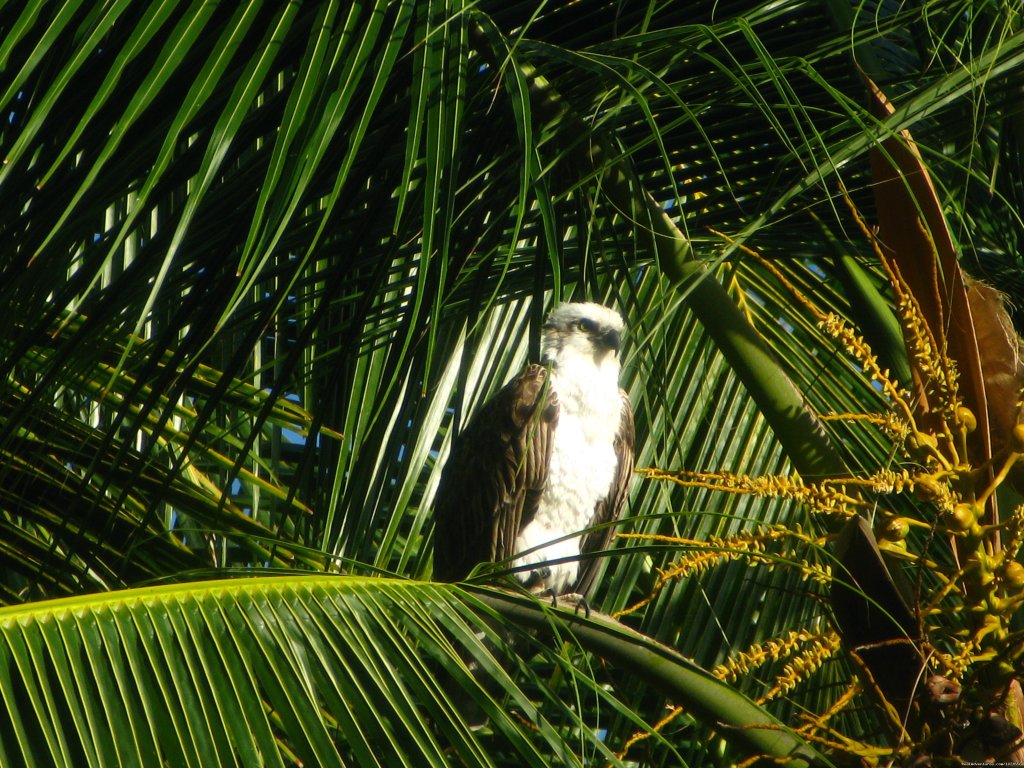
(584, 605)
(577, 601)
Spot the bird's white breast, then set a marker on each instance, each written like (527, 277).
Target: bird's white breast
(583, 465)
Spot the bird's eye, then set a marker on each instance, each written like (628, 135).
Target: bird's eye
(587, 326)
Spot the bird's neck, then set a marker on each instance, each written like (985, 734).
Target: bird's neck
(580, 381)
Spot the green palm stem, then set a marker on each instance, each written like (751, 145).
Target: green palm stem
(737, 719)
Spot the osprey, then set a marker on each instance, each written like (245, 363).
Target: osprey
(548, 456)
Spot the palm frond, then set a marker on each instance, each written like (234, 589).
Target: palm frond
(313, 670)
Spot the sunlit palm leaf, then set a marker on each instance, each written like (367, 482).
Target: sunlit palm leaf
(309, 670)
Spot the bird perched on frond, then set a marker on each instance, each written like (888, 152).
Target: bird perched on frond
(546, 458)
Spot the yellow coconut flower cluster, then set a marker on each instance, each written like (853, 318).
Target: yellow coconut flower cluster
(791, 645)
(891, 423)
(751, 547)
(826, 498)
(804, 664)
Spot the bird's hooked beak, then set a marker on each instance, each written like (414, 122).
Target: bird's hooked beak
(611, 339)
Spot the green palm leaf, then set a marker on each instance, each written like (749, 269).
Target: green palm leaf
(313, 670)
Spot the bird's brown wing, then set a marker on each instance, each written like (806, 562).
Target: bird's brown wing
(494, 477)
(608, 509)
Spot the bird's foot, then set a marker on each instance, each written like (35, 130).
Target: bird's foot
(568, 599)
(538, 584)
(578, 602)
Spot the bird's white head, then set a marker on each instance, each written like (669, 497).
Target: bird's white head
(583, 333)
